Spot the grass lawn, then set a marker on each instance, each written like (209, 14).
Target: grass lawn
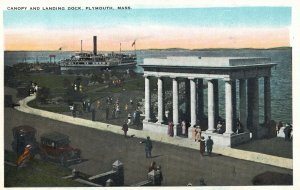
(60, 108)
(37, 174)
(52, 81)
(131, 85)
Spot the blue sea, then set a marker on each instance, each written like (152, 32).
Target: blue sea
(281, 80)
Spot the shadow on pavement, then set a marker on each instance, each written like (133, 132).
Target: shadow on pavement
(156, 156)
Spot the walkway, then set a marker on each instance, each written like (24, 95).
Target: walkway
(182, 142)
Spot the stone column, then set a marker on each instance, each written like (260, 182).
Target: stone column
(175, 105)
(255, 114)
(253, 106)
(193, 106)
(216, 99)
(164, 100)
(147, 98)
(160, 100)
(187, 100)
(200, 103)
(243, 104)
(233, 90)
(228, 107)
(211, 106)
(267, 100)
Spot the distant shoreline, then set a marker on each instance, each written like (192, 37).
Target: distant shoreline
(166, 49)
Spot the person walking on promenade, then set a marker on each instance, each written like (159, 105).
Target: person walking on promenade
(170, 129)
(93, 114)
(209, 145)
(287, 132)
(160, 175)
(129, 119)
(202, 146)
(148, 147)
(194, 133)
(125, 128)
(113, 112)
(73, 109)
(183, 127)
(198, 134)
(106, 113)
(278, 126)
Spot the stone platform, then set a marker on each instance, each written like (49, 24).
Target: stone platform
(228, 140)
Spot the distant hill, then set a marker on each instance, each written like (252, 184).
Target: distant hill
(216, 49)
(230, 49)
(167, 49)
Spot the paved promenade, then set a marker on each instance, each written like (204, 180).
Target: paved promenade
(182, 142)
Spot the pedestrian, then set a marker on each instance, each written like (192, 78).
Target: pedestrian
(98, 104)
(24, 158)
(202, 146)
(291, 133)
(198, 134)
(202, 182)
(194, 133)
(113, 113)
(129, 119)
(93, 114)
(118, 108)
(73, 110)
(131, 101)
(171, 129)
(89, 107)
(84, 105)
(183, 127)
(107, 113)
(219, 127)
(209, 145)
(148, 147)
(137, 117)
(126, 108)
(152, 166)
(278, 126)
(125, 128)
(134, 117)
(287, 132)
(160, 175)
(238, 127)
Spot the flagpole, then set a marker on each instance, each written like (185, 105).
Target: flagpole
(134, 49)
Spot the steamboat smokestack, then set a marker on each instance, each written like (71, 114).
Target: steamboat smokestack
(95, 45)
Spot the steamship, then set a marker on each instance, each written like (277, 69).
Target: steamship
(94, 60)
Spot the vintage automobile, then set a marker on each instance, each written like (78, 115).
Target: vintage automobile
(55, 146)
(24, 135)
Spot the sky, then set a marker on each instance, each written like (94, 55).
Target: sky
(191, 28)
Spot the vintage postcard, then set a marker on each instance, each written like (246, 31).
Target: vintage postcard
(136, 94)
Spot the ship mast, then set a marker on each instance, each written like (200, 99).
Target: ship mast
(81, 47)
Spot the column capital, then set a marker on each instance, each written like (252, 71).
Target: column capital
(146, 75)
(191, 78)
(174, 77)
(227, 80)
(209, 79)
